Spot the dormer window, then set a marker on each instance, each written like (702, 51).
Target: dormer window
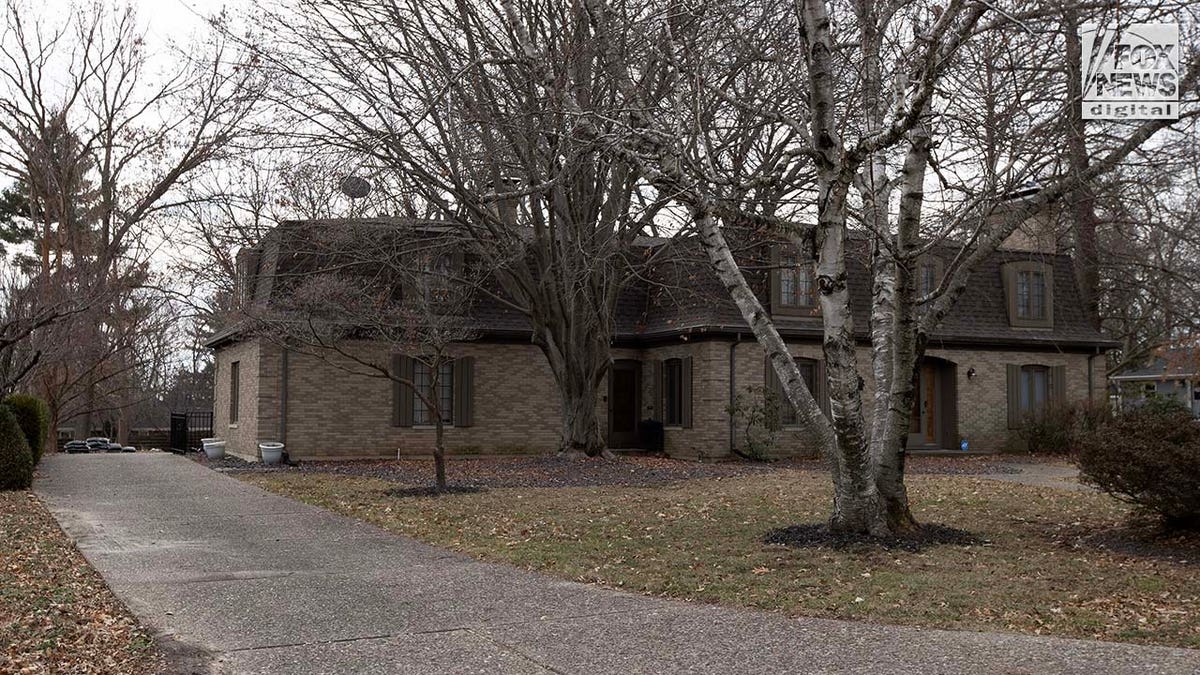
(796, 285)
(793, 285)
(1031, 295)
(1029, 289)
(929, 273)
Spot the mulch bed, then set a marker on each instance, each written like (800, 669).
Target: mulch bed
(820, 536)
(539, 471)
(431, 491)
(550, 471)
(56, 613)
(956, 466)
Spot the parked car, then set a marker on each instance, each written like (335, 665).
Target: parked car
(97, 444)
(114, 447)
(73, 447)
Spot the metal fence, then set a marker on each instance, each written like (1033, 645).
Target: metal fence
(187, 428)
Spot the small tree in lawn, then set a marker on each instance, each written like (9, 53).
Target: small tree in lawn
(369, 291)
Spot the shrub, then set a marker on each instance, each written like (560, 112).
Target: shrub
(1059, 430)
(16, 461)
(1149, 457)
(756, 412)
(33, 415)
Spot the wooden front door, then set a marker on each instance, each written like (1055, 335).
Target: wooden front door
(624, 403)
(926, 421)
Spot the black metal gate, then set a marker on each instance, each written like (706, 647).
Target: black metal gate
(187, 428)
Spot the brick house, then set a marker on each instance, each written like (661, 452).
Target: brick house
(1017, 341)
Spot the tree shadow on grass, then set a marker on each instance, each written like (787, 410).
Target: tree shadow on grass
(818, 535)
(434, 491)
(1138, 537)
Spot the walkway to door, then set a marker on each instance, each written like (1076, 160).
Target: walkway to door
(264, 584)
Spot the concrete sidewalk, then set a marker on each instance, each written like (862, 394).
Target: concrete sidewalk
(262, 584)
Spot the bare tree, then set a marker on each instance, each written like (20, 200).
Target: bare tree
(437, 102)
(103, 145)
(371, 290)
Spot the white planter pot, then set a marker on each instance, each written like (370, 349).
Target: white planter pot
(271, 453)
(214, 448)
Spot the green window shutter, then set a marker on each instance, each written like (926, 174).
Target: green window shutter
(687, 392)
(464, 391)
(822, 392)
(772, 386)
(656, 390)
(1058, 385)
(402, 394)
(1014, 395)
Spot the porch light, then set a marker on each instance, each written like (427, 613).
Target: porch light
(971, 373)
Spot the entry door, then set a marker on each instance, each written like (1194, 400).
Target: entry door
(624, 402)
(926, 417)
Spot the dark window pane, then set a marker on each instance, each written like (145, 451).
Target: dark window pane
(673, 392)
(444, 395)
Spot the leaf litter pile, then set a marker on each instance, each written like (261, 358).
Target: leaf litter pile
(56, 613)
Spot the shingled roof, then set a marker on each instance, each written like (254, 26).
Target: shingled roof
(1170, 363)
(680, 295)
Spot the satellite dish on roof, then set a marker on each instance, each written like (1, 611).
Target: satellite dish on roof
(355, 187)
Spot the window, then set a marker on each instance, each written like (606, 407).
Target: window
(929, 276)
(443, 394)
(797, 288)
(1032, 390)
(1029, 287)
(1031, 295)
(454, 391)
(1034, 393)
(808, 371)
(437, 277)
(672, 392)
(234, 388)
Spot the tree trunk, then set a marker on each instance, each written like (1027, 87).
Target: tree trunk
(439, 453)
(578, 359)
(1082, 201)
(580, 425)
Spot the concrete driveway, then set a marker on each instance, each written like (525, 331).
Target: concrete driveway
(257, 583)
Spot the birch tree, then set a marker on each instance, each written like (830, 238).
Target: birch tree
(889, 100)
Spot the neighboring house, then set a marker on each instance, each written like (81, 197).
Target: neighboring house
(1174, 373)
(1017, 342)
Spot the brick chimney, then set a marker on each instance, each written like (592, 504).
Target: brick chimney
(1038, 234)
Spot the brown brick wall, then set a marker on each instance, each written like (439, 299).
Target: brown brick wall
(240, 437)
(332, 413)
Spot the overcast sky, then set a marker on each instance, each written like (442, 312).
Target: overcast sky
(165, 20)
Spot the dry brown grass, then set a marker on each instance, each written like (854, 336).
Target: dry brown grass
(56, 613)
(1034, 572)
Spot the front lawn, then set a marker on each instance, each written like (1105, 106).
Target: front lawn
(1039, 566)
(56, 613)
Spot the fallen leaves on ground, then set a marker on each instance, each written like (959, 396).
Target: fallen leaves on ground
(1035, 564)
(56, 613)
